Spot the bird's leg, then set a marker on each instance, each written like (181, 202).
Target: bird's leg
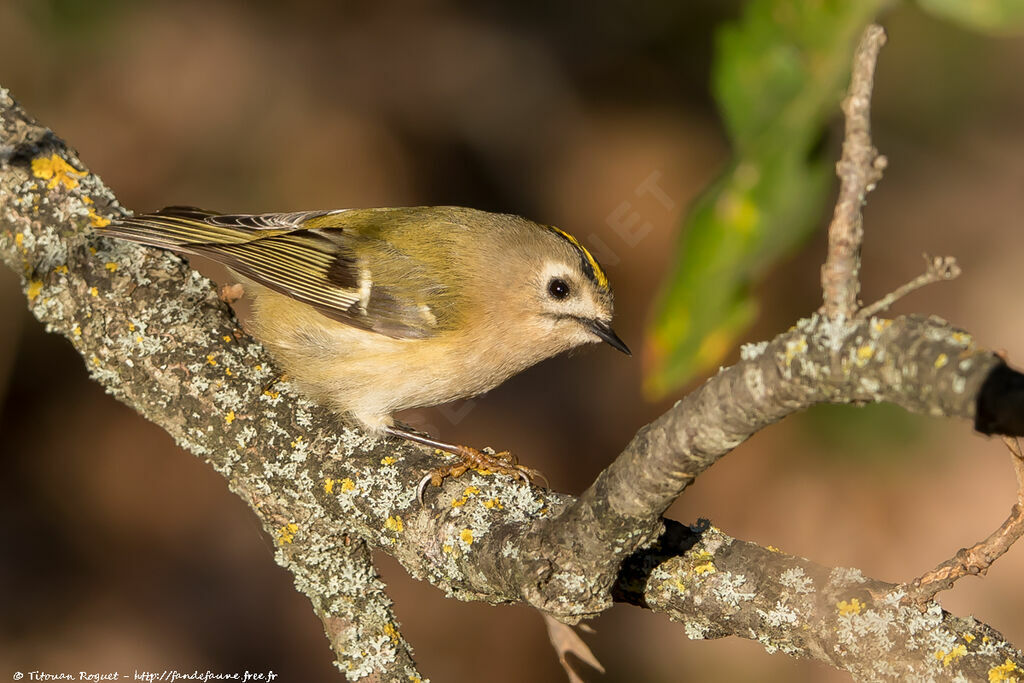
(273, 380)
(229, 294)
(470, 458)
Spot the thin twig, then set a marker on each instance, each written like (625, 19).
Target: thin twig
(859, 169)
(583, 665)
(939, 268)
(979, 557)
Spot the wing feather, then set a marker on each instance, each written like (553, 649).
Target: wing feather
(310, 256)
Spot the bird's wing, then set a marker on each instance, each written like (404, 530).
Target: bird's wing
(310, 256)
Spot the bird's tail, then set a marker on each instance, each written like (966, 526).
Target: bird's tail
(186, 228)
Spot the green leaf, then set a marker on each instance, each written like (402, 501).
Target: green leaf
(779, 75)
(994, 16)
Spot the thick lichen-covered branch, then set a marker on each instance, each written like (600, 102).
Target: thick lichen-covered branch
(715, 586)
(155, 334)
(921, 364)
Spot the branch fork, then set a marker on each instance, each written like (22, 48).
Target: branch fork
(329, 498)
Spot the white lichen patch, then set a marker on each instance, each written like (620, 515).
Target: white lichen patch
(794, 348)
(772, 646)
(864, 631)
(727, 588)
(845, 576)
(696, 629)
(753, 377)
(753, 350)
(780, 615)
(869, 385)
(796, 580)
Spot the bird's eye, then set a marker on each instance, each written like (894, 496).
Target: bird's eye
(557, 288)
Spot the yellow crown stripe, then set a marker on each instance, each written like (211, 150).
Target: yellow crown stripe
(599, 275)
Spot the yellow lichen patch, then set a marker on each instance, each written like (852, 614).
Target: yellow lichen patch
(230, 417)
(1004, 672)
(76, 330)
(19, 239)
(97, 220)
(94, 292)
(286, 534)
(415, 679)
(87, 200)
(773, 549)
(864, 354)
(391, 632)
(227, 371)
(706, 568)
(466, 493)
(62, 270)
(131, 327)
(211, 360)
(948, 657)
(467, 536)
(138, 338)
(469, 491)
(388, 460)
(680, 586)
(394, 524)
(57, 171)
(347, 485)
(794, 348)
(493, 504)
(941, 360)
(969, 637)
(111, 266)
(297, 441)
(446, 548)
(271, 394)
(328, 485)
(962, 338)
(879, 324)
(227, 338)
(33, 289)
(854, 606)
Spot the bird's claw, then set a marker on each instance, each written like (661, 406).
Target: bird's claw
(484, 463)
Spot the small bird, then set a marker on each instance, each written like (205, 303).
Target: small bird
(372, 311)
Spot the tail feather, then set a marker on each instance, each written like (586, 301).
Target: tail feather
(185, 228)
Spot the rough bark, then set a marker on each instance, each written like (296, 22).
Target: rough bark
(155, 334)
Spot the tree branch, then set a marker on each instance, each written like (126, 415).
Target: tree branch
(156, 335)
(859, 169)
(980, 556)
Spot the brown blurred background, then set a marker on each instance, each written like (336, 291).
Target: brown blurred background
(122, 552)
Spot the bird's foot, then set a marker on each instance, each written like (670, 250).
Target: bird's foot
(482, 462)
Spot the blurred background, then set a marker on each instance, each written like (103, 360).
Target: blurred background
(123, 553)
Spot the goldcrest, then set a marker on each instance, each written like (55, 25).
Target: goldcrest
(372, 311)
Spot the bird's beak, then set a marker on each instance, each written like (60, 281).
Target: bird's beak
(607, 334)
